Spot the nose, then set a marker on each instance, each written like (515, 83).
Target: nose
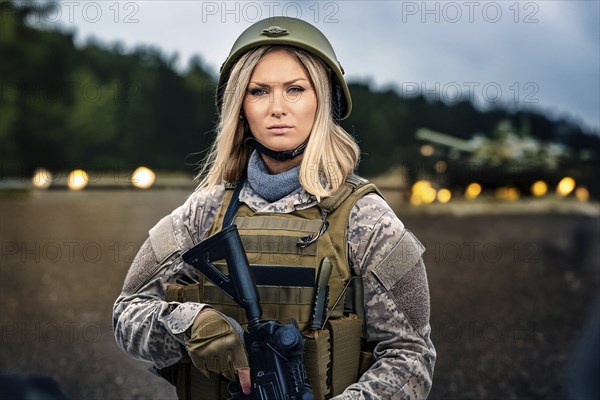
(278, 103)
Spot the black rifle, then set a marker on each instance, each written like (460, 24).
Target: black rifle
(274, 350)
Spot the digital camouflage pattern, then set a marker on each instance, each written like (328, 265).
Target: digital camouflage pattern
(149, 328)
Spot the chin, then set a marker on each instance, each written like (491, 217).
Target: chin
(281, 146)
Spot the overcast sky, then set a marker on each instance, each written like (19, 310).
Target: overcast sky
(536, 54)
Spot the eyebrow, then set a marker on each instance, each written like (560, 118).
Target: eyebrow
(267, 84)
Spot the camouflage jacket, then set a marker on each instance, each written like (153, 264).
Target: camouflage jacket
(382, 251)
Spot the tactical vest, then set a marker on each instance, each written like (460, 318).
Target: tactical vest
(274, 242)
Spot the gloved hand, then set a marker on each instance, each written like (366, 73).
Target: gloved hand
(216, 346)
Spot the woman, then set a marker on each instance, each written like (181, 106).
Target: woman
(298, 209)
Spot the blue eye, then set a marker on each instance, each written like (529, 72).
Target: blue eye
(257, 91)
(296, 89)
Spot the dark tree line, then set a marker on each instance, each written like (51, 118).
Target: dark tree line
(95, 107)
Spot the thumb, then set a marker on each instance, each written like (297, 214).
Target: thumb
(245, 380)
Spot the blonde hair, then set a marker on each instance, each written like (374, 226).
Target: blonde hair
(331, 153)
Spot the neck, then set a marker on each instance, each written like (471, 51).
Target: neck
(277, 167)
(268, 183)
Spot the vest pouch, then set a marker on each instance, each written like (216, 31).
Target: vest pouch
(173, 293)
(317, 356)
(345, 349)
(366, 361)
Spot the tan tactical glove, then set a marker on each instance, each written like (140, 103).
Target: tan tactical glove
(216, 345)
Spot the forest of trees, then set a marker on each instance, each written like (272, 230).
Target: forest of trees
(98, 107)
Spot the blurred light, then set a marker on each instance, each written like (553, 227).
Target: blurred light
(415, 200)
(143, 178)
(78, 179)
(565, 186)
(582, 193)
(539, 188)
(428, 195)
(42, 178)
(444, 196)
(419, 186)
(473, 190)
(510, 193)
(513, 193)
(427, 150)
(441, 166)
(422, 192)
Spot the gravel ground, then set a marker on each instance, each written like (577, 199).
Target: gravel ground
(510, 293)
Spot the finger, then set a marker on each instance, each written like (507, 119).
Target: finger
(245, 380)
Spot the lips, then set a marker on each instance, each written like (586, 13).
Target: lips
(279, 129)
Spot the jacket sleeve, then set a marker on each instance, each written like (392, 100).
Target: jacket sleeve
(145, 325)
(389, 259)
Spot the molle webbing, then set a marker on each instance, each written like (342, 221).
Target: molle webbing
(271, 239)
(353, 182)
(258, 243)
(333, 358)
(317, 360)
(283, 302)
(277, 222)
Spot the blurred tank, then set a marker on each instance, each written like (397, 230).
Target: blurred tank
(505, 158)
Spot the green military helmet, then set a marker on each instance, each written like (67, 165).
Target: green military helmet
(291, 32)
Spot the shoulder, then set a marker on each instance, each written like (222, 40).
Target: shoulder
(202, 199)
(368, 211)
(371, 212)
(374, 231)
(192, 220)
(370, 206)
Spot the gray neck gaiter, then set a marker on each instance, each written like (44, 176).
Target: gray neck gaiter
(271, 187)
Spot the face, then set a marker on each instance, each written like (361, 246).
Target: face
(280, 103)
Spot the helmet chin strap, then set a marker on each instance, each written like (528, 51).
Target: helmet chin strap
(277, 155)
